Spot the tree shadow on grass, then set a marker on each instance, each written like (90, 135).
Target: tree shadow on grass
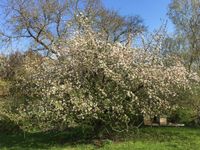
(44, 140)
(76, 136)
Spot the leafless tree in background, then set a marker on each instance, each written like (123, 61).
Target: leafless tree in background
(42, 23)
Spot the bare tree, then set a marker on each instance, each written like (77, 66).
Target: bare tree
(117, 28)
(43, 23)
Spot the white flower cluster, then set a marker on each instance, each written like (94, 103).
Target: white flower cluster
(97, 80)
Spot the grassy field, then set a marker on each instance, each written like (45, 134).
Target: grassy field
(162, 138)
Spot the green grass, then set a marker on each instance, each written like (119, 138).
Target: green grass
(161, 138)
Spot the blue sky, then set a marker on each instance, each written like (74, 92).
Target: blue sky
(153, 12)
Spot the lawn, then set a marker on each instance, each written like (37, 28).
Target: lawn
(160, 138)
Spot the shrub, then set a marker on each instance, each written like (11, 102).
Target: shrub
(96, 83)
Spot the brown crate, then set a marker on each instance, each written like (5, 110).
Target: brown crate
(163, 121)
(147, 121)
